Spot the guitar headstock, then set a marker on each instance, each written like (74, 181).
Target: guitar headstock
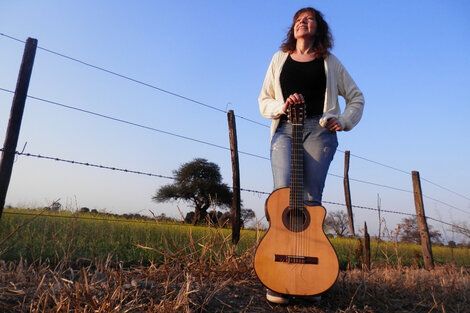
(296, 113)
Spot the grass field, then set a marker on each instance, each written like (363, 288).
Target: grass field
(55, 236)
(83, 263)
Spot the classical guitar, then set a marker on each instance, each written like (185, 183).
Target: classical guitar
(295, 257)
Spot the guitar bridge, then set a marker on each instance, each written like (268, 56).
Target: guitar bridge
(295, 259)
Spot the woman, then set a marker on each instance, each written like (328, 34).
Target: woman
(305, 72)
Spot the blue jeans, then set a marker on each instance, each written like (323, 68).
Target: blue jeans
(319, 148)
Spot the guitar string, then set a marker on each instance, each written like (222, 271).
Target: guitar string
(293, 185)
(298, 189)
(292, 179)
(292, 182)
(301, 191)
(296, 208)
(297, 172)
(297, 218)
(300, 194)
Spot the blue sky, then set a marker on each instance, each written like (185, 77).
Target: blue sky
(410, 58)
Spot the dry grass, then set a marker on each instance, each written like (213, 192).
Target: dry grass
(210, 275)
(189, 283)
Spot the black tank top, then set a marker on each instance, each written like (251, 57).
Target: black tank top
(308, 79)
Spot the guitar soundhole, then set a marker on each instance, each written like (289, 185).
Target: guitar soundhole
(296, 220)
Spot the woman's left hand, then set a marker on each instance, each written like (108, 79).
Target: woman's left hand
(333, 124)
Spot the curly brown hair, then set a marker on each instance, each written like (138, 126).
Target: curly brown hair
(323, 41)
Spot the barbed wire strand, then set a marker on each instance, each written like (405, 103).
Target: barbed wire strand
(447, 204)
(110, 168)
(180, 136)
(211, 144)
(449, 224)
(372, 209)
(199, 141)
(173, 134)
(39, 156)
(195, 140)
(447, 189)
(91, 164)
(184, 137)
(136, 81)
(135, 124)
(400, 213)
(402, 190)
(375, 162)
(242, 189)
(380, 185)
(371, 183)
(407, 173)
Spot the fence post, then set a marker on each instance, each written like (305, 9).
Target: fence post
(16, 115)
(422, 224)
(347, 193)
(236, 177)
(367, 247)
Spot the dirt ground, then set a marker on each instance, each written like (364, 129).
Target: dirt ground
(231, 286)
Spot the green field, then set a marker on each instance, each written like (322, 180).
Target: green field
(57, 236)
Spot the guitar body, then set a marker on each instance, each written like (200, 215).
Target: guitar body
(295, 257)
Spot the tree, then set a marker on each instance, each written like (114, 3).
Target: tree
(245, 216)
(337, 221)
(410, 231)
(200, 183)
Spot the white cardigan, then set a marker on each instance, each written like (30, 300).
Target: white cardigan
(338, 82)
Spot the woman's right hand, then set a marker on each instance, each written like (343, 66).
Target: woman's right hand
(295, 98)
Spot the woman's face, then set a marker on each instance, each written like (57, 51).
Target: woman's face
(305, 25)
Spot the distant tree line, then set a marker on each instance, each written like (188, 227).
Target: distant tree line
(336, 224)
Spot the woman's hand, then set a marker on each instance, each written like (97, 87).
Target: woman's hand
(333, 124)
(295, 98)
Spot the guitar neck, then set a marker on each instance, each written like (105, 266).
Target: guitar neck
(297, 168)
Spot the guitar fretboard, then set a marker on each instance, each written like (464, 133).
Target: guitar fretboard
(297, 169)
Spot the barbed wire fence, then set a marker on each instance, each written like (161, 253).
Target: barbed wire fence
(258, 192)
(204, 142)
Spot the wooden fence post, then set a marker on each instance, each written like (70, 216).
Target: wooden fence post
(16, 115)
(422, 224)
(236, 177)
(367, 247)
(347, 193)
